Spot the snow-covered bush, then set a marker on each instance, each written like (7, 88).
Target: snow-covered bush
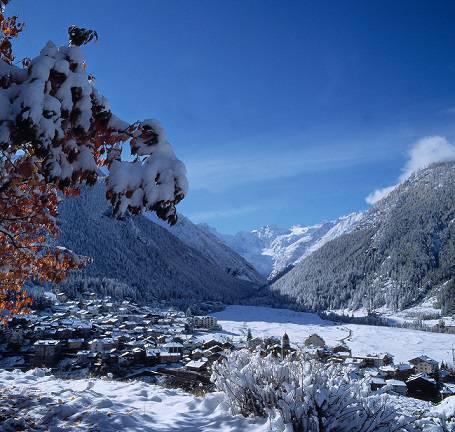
(56, 131)
(308, 396)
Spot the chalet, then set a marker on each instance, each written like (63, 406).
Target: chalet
(152, 356)
(403, 371)
(197, 365)
(397, 386)
(315, 340)
(389, 371)
(424, 364)
(101, 345)
(197, 354)
(211, 343)
(174, 347)
(163, 339)
(447, 390)
(61, 297)
(47, 348)
(168, 357)
(85, 356)
(377, 382)
(86, 315)
(74, 344)
(376, 360)
(422, 386)
(342, 350)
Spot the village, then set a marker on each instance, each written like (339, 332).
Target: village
(122, 340)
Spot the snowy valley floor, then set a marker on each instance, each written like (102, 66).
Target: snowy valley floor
(46, 403)
(404, 344)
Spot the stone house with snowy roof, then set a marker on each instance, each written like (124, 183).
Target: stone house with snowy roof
(174, 347)
(47, 349)
(425, 364)
(397, 386)
(197, 365)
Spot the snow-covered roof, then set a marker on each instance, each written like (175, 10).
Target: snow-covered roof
(196, 363)
(377, 380)
(404, 366)
(47, 342)
(423, 376)
(424, 358)
(396, 383)
(173, 345)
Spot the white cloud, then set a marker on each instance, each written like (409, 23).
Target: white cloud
(378, 194)
(231, 170)
(423, 153)
(426, 151)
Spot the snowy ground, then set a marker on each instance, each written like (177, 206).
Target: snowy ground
(404, 344)
(47, 403)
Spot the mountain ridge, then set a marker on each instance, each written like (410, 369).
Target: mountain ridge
(401, 249)
(273, 250)
(141, 254)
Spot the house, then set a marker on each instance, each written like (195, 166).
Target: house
(61, 297)
(168, 357)
(377, 360)
(101, 345)
(447, 390)
(403, 371)
(197, 354)
(47, 348)
(397, 386)
(315, 340)
(377, 382)
(207, 322)
(74, 344)
(197, 365)
(174, 347)
(152, 356)
(211, 343)
(424, 364)
(83, 357)
(389, 371)
(422, 386)
(342, 350)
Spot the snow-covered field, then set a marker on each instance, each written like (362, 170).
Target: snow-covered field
(404, 344)
(46, 403)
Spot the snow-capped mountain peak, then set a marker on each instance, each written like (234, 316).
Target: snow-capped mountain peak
(272, 250)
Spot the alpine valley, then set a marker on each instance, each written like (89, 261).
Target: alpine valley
(396, 254)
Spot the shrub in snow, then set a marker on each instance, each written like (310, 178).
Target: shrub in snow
(309, 397)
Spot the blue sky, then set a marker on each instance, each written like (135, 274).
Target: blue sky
(285, 112)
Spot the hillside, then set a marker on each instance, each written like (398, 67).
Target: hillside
(274, 250)
(403, 248)
(141, 255)
(211, 247)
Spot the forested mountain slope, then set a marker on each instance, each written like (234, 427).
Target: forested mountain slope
(404, 247)
(212, 248)
(144, 256)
